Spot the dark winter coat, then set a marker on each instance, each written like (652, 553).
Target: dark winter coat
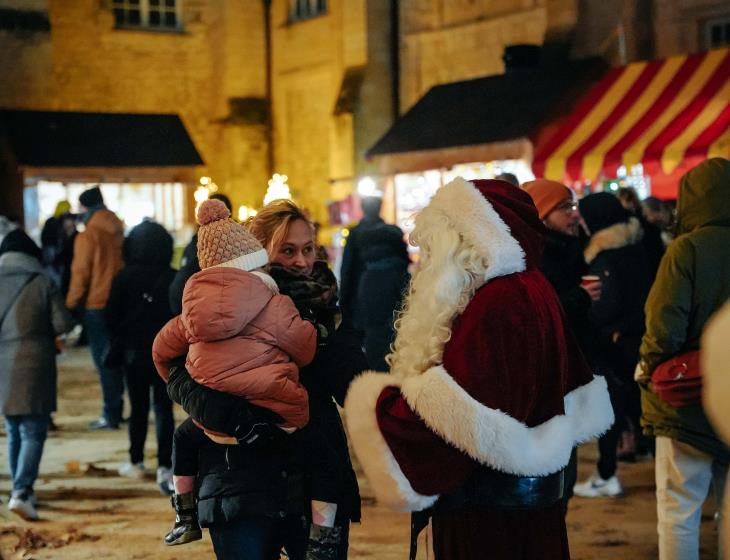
(563, 265)
(353, 267)
(615, 254)
(138, 304)
(382, 285)
(693, 282)
(269, 479)
(34, 315)
(189, 265)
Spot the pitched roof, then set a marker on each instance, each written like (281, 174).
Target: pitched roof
(484, 110)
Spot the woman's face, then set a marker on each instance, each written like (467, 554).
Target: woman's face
(297, 250)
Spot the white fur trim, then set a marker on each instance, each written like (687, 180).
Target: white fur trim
(391, 487)
(496, 439)
(477, 220)
(613, 237)
(248, 262)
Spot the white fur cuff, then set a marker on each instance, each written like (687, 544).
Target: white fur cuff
(391, 487)
(494, 438)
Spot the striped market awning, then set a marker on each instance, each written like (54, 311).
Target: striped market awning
(666, 114)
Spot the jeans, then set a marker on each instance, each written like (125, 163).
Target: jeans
(26, 436)
(142, 377)
(112, 383)
(683, 477)
(260, 538)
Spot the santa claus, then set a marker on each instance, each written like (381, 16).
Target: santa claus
(488, 392)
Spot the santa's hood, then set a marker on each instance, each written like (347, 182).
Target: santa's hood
(219, 302)
(498, 218)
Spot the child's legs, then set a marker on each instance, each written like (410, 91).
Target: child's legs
(33, 430)
(186, 442)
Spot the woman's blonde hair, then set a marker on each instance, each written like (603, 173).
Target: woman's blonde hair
(271, 225)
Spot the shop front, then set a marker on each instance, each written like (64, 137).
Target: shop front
(643, 125)
(476, 129)
(145, 165)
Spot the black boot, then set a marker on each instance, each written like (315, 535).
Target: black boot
(324, 543)
(186, 527)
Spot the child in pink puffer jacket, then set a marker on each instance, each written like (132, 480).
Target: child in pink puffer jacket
(240, 336)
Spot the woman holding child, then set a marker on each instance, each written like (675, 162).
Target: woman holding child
(278, 485)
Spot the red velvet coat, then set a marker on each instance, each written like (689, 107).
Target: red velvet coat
(513, 392)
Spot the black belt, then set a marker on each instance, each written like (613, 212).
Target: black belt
(495, 490)
(498, 490)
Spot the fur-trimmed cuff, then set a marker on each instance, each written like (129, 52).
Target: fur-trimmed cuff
(391, 486)
(494, 438)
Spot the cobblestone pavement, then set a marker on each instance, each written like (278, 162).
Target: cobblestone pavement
(90, 513)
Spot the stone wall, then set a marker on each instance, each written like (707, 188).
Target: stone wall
(85, 64)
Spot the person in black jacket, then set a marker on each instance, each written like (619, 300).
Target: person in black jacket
(254, 496)
(616, 254)
(189, 264)
(382, 286)
(563, 265)
(353, 265)
(137, 308)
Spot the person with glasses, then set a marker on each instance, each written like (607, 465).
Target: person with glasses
(563, 264)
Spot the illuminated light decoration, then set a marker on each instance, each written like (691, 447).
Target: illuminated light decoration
(345, 232)
(245, 212)
(368, 187)
(278, 189)
(203, 192)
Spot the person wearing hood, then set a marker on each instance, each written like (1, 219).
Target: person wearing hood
(353, 265)
(32, 315)
(382, 285)
(616, 255)
(137, 309)
(488, 392)
(97, 257)
(692, 283)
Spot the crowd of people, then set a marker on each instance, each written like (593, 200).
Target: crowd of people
(530, 322)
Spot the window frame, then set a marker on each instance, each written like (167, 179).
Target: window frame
(707, 27)
(313, 9)
(145, 9)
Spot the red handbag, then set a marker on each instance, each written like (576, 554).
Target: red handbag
(678, 381)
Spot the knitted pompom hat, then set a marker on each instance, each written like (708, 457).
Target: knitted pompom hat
(223, 242)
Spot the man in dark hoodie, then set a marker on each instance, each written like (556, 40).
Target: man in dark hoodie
(692, 283)
(353, 265)
(97, 259)
(137, 309)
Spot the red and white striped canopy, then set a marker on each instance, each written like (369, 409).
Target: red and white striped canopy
(667, 114)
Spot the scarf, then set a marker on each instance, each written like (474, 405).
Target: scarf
(315, 294)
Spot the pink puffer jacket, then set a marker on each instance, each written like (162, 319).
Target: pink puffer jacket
(243, 339)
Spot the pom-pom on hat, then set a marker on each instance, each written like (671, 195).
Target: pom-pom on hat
(223, 242)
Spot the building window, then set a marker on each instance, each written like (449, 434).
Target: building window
(306, 9)
(717, 33)
(149, 14)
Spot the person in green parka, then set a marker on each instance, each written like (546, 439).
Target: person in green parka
(692, 283)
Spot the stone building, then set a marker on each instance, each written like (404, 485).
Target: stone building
(304, 87)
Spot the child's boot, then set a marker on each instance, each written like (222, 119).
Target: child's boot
(186, 527)
(324, 543)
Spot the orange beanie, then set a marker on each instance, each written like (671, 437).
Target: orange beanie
(547, 195)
